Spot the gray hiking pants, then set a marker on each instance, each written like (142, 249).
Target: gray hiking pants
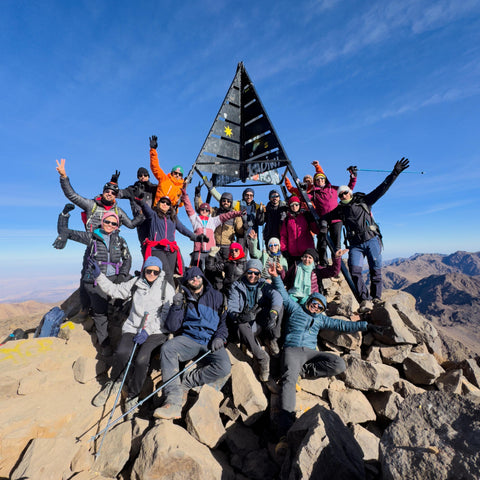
(182, 349)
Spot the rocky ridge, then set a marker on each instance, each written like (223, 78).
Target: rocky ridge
(404, 408)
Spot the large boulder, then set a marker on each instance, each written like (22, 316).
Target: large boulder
(436, 436)
(351, 406)
(364, 375)
(169, 452)
(323, 448)
(421, 368)
(385, 314)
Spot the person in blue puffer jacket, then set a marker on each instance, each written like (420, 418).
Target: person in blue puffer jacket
(300, 357)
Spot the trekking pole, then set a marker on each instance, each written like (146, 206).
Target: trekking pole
(151, 395)
(142, 326)
(386, 171)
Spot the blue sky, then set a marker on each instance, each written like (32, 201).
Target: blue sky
(344, 82)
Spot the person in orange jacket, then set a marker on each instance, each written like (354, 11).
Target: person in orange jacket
(169, 185)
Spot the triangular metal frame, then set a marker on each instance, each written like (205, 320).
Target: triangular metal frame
(242, 145)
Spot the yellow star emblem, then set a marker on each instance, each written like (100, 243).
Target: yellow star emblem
(228, 131)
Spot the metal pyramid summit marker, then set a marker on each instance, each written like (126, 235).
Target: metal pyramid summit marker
(242, 142)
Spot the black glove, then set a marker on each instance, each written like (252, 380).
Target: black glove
(121, 278)
(68, 208)
(201, 238)
(178, 299)
(198, 189)
(115, 176)
(272, 320)
(302, 185)
(401, 165)
(247, 316)
(153, 142)
(353, 170)
(376, 329)
(94, 267)
(217, 344)
(60, 242)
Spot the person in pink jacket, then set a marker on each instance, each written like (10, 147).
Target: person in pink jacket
(296, 232)
(324, 197)
(204, 224)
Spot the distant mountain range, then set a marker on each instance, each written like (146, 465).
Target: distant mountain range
(446, 287)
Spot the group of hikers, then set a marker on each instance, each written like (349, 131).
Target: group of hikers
(264, 293)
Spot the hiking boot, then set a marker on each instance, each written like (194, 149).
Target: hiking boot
(169, 411)
(129, 403)
(365, 306)
(272, 346)
(110, 388)
(272, 386)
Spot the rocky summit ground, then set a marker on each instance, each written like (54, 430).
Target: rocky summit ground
(407, 406)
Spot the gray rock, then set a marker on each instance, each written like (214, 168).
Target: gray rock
(385, 314)
(471, 370)
(351, 406)
(45, 459)
(396, 354)
(203, 419)
(373, 355)
(450, 381)
(87, 368)
(324, 448)
(369, 443)
(349, 341)
(363, 375)
(169, 452)
(405, 388)
(115, 450)
(422, 368)
(248, 395)
(385, 404)
(436, 436)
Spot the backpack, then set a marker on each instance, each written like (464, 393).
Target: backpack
(87, 216)
(358, 199)
(50, 324)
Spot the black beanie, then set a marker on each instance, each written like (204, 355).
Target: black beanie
(142, 171)
(313, 253)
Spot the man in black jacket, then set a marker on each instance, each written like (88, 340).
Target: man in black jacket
(363, 234)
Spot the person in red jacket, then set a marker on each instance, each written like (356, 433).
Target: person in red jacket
(296, 232)
(324, 198)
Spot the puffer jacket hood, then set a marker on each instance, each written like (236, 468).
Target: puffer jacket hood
(316, 296)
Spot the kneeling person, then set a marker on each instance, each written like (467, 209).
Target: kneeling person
(152, 297)
(198, 318)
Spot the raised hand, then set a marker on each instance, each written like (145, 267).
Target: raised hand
(153, 141)
(401, 165)
(61, 167)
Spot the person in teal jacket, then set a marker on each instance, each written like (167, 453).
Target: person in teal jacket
(300, 357)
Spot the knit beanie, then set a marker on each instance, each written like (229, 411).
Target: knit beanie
(152, 262)
(142, 171)
(344, 188)
(319, 175)
(293, 199)
(247, 190)
(177, 168)
(272, 192)
(108, 213)
(313, 253)
(226, 195)
(254, 263)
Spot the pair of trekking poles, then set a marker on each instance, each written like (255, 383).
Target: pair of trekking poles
(111, 423)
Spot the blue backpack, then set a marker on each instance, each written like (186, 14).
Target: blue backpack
(50, 323)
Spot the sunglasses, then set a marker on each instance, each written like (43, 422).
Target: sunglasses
(151, 271)
(341, 194)
(252, 272)
(108, 222)
(204, 209)
(248, 195)
(196, 277)
(108, 190)
(234, 249)
(316, 304)
(226, 200)
(273, 245)
(294, 204)
(177, 174)
(275, 196)
(143, 175)
(165, 201)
